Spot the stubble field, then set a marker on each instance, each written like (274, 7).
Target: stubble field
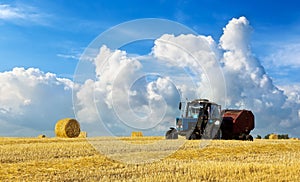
(56, 159)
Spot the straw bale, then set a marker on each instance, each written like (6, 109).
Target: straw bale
(83, 134)
(67, 128)
(136, 134)
(42, 136)
(273, 136)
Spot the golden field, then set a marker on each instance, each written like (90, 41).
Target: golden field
(58, 159)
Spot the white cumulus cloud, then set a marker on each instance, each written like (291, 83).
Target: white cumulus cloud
(198, 56)
(248, 85)
(123, 97)
(33, 101)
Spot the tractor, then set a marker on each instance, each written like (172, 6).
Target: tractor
(202, 119)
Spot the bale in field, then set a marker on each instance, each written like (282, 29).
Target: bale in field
(83, 134)
(273, 136)
(67, 128)
(42, 136)
(136, 134)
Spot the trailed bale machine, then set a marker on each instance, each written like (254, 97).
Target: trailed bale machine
(237, 124)
(202, 119)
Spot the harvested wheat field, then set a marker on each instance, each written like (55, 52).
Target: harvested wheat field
(75, 159)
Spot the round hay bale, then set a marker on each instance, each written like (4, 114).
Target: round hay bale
(83, 134)
(42, 136)
(136, 134)
(67, 128)
(273, 136)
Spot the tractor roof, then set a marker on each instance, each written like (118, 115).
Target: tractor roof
(202, 101)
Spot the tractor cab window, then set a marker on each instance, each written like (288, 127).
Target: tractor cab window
(193, 110)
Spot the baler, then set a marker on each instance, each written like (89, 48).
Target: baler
(237, 124)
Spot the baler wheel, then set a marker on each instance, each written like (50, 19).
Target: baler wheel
(249, 138)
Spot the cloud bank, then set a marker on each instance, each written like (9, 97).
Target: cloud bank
(32, 102)
(129, 92)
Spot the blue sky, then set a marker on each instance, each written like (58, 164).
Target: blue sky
(52, 35)
(49, 34)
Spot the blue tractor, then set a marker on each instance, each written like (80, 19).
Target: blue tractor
(200, 119)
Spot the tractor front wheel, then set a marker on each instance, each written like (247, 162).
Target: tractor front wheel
(172, 134)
